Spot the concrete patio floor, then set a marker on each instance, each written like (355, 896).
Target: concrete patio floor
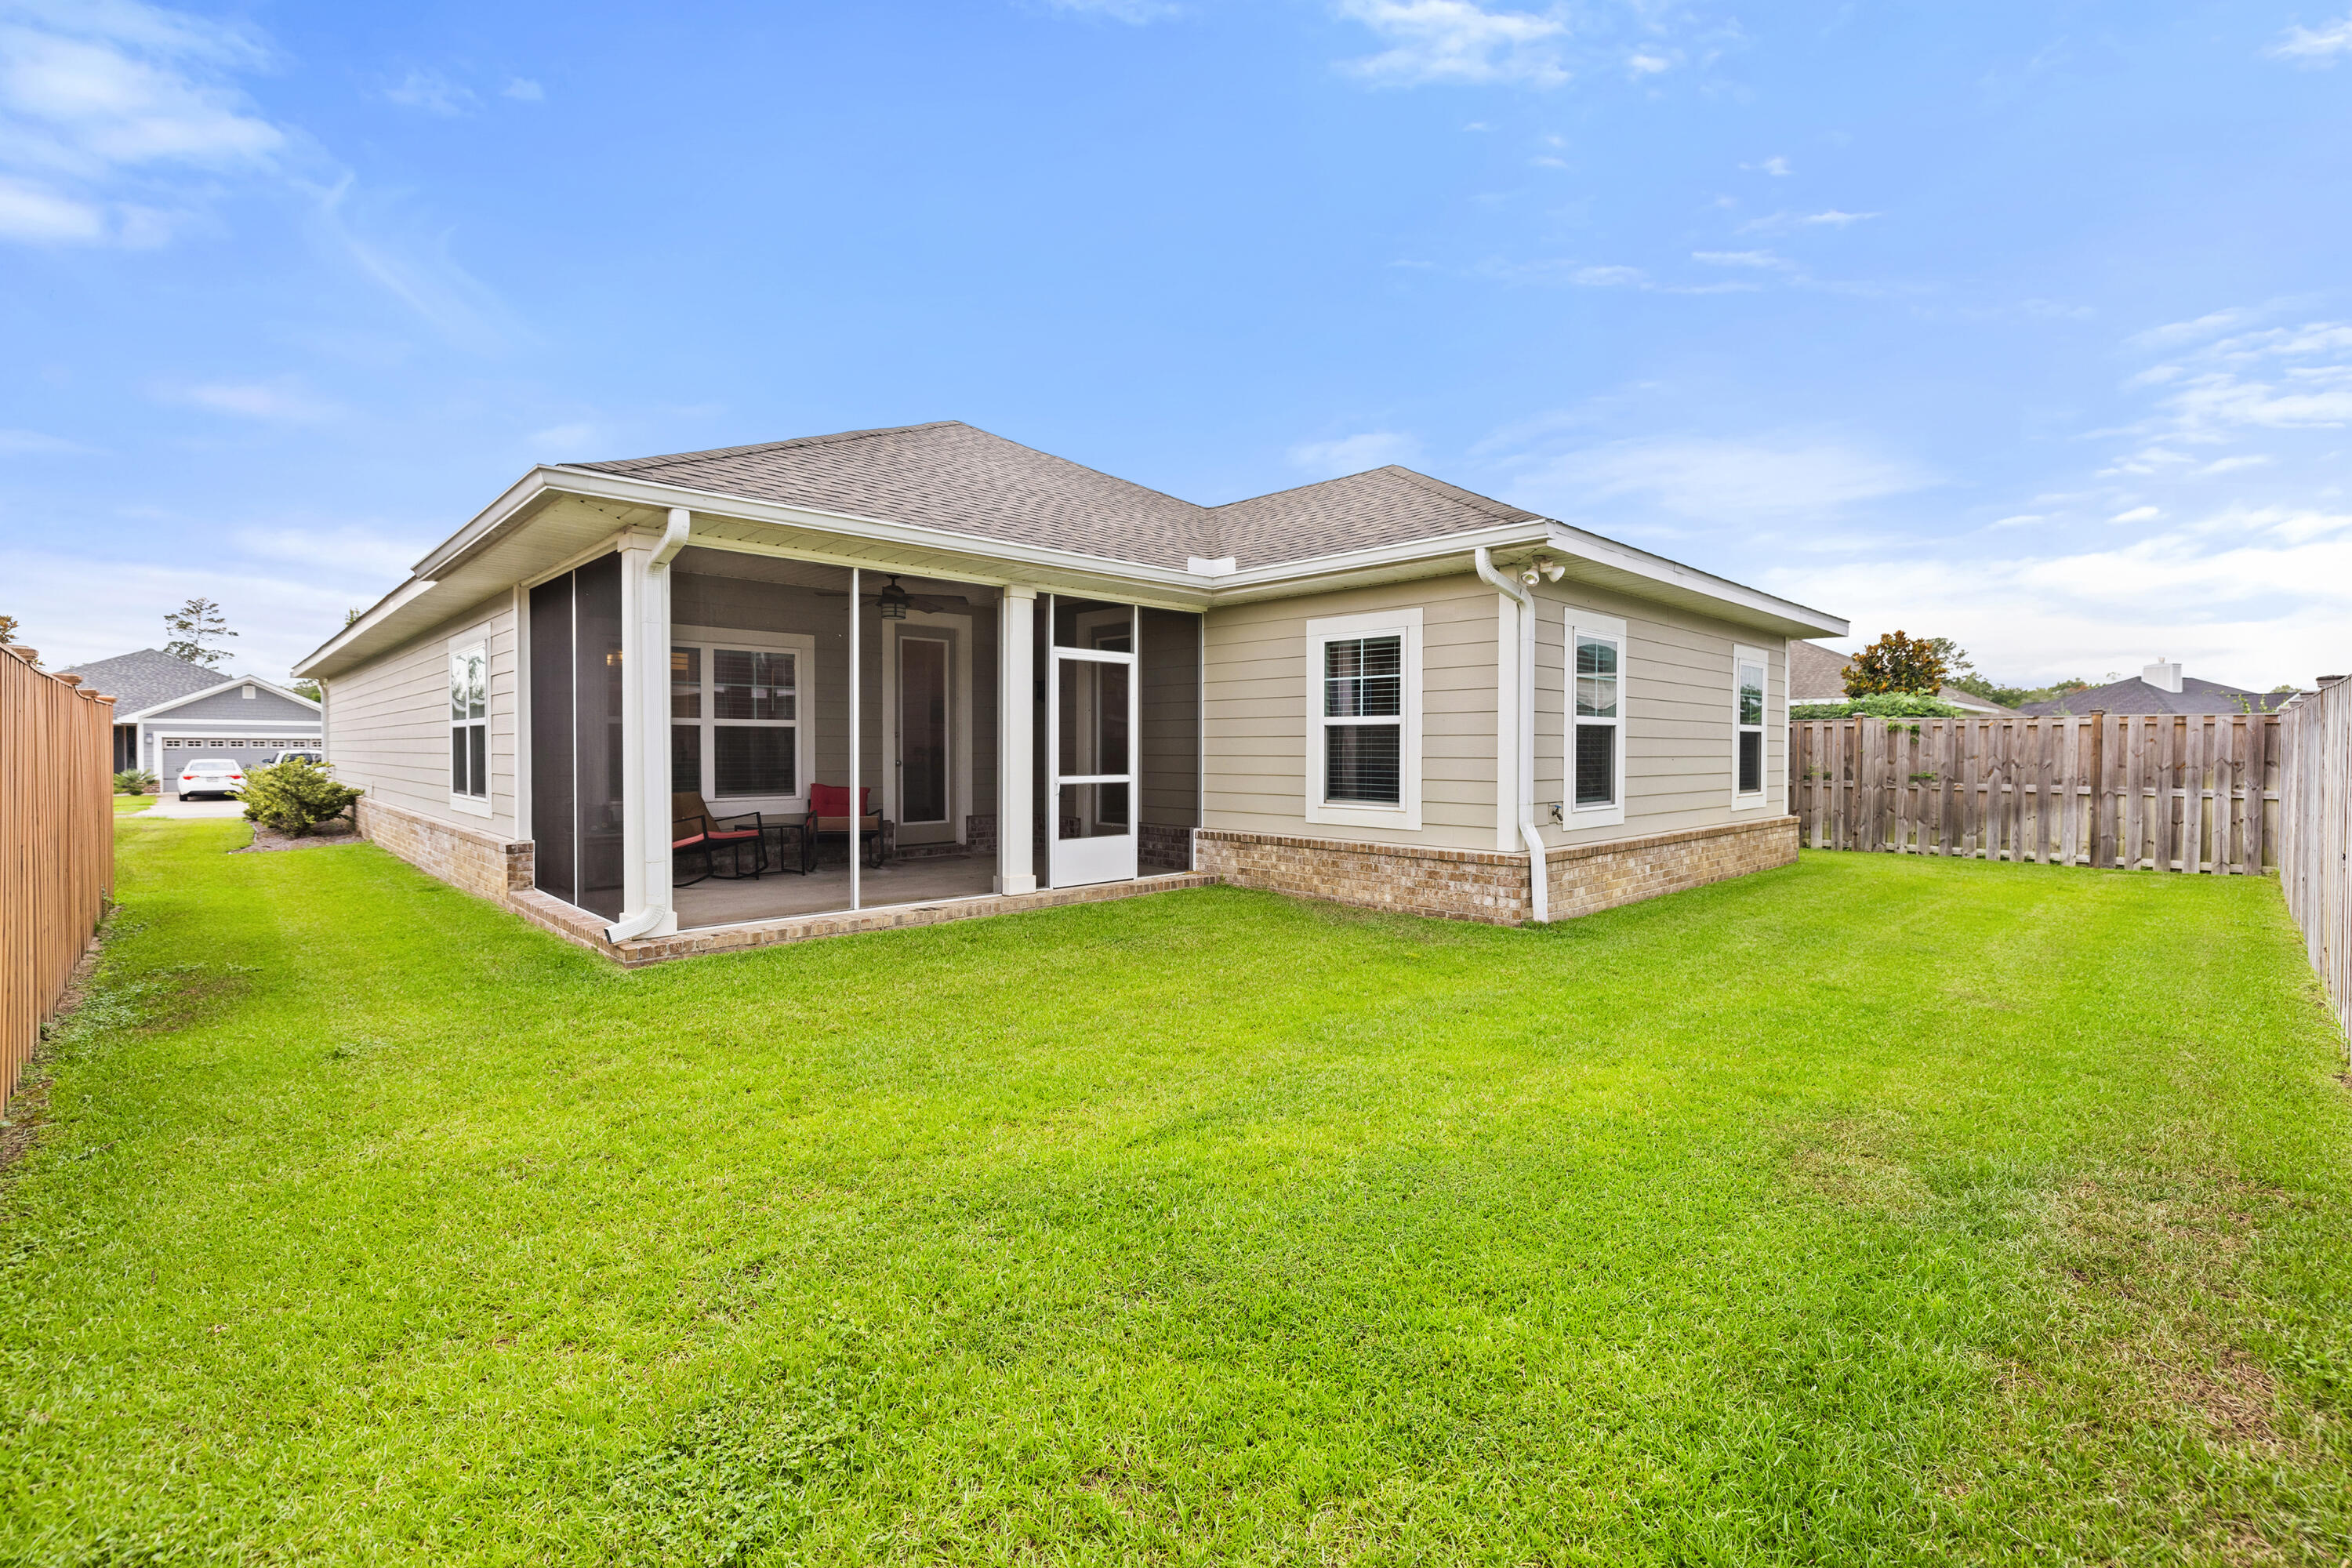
(782, 894)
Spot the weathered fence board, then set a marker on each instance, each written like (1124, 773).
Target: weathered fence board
(2197, 793)
(2315, 841)
(56, 845)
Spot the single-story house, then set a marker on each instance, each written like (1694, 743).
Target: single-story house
(169, 710)
(1817, 674)
(2161, 689)
(1040, 684)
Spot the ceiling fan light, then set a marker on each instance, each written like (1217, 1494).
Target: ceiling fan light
(892, 601)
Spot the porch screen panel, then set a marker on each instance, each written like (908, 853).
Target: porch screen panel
(1168, 790)
(596, 695)
(553, 841)
(923, 730)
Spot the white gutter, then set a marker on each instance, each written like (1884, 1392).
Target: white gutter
(644, 688)
(1523, 785)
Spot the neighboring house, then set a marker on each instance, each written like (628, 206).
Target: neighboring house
(1817, 674)
(139, 680)
(1348, 689)
(167, 711)
(2162, 689)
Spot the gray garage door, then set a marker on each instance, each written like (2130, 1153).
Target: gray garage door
(245, 751)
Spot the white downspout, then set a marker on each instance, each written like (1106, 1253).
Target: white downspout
(645, 699)
(1522, 786)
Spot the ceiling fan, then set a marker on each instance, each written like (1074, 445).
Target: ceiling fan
(892, 598)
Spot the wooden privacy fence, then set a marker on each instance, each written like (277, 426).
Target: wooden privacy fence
(56, 844)
(2157, 792)
(2315, 834)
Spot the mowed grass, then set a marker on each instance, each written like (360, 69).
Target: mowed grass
(1866, 1211)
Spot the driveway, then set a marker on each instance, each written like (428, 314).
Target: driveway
(172, 806)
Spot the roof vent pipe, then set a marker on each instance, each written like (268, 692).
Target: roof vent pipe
(2164, 675)
(1519, 801)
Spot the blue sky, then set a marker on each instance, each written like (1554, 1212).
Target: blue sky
(2022, 324)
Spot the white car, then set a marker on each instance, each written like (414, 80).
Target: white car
(223, 777)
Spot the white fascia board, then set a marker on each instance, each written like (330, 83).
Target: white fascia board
(415, 588)
(1604, 552)
(231, 684)
(1254, 583)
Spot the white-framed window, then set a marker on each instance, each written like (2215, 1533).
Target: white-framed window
(1363, 719)
(469, 725)
(1594, 767)
(1749, 670)
(739, 716)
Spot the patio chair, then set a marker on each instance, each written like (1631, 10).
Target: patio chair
(829, 818)
(694, 828)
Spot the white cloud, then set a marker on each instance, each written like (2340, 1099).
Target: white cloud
(522, 89)
(556, 443)
(1646, 62)
(1136, 11)
(29, 212)
(433, 93)
(1458, 41)
(34, 443)
(2231, 465)
(284, 401)
(2317, 46)
(394, 248)
(1779, 479)
(1775, 165)
(1763, 258)
(1354, 454)
(2269, 605)
(1778, 223)
(2137, 514)
(101, 103)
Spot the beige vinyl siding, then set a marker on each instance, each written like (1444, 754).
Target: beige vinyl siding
(1679, 729)
(1254, 704)
(388, 721)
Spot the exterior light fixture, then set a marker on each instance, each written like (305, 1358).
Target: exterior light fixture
(892, 601)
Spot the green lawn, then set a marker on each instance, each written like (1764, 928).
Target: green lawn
(1871, 1210)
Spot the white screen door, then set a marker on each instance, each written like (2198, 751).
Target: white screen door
(1093, 701)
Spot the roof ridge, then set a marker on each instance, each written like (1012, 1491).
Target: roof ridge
(1502, 512)
(659, 458)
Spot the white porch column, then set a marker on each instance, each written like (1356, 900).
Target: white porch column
(645, 909)
(1016, 689)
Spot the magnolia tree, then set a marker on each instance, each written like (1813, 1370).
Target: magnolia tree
(1897, 663)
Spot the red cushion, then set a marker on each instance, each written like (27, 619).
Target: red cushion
(833, 800)
(686, 843)
(736, 833)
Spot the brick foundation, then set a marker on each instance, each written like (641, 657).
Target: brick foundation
(481, 863)
(1589, 878)
(1485, 884)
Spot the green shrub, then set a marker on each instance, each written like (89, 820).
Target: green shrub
(1885, 705)
(135, 781)
(293, 796)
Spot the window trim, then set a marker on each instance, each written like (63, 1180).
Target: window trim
(1405, 816)
(464, 644)
(709, 639)
(1586, 623)
(1761, 796)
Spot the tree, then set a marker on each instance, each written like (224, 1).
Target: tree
(1896, 663)
(1956, 662)
(309, 688)
(7, 628)
(202, 626)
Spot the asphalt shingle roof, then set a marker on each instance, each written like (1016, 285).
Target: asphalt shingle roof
(2136, 696)
(137, 681)
(952, 475)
